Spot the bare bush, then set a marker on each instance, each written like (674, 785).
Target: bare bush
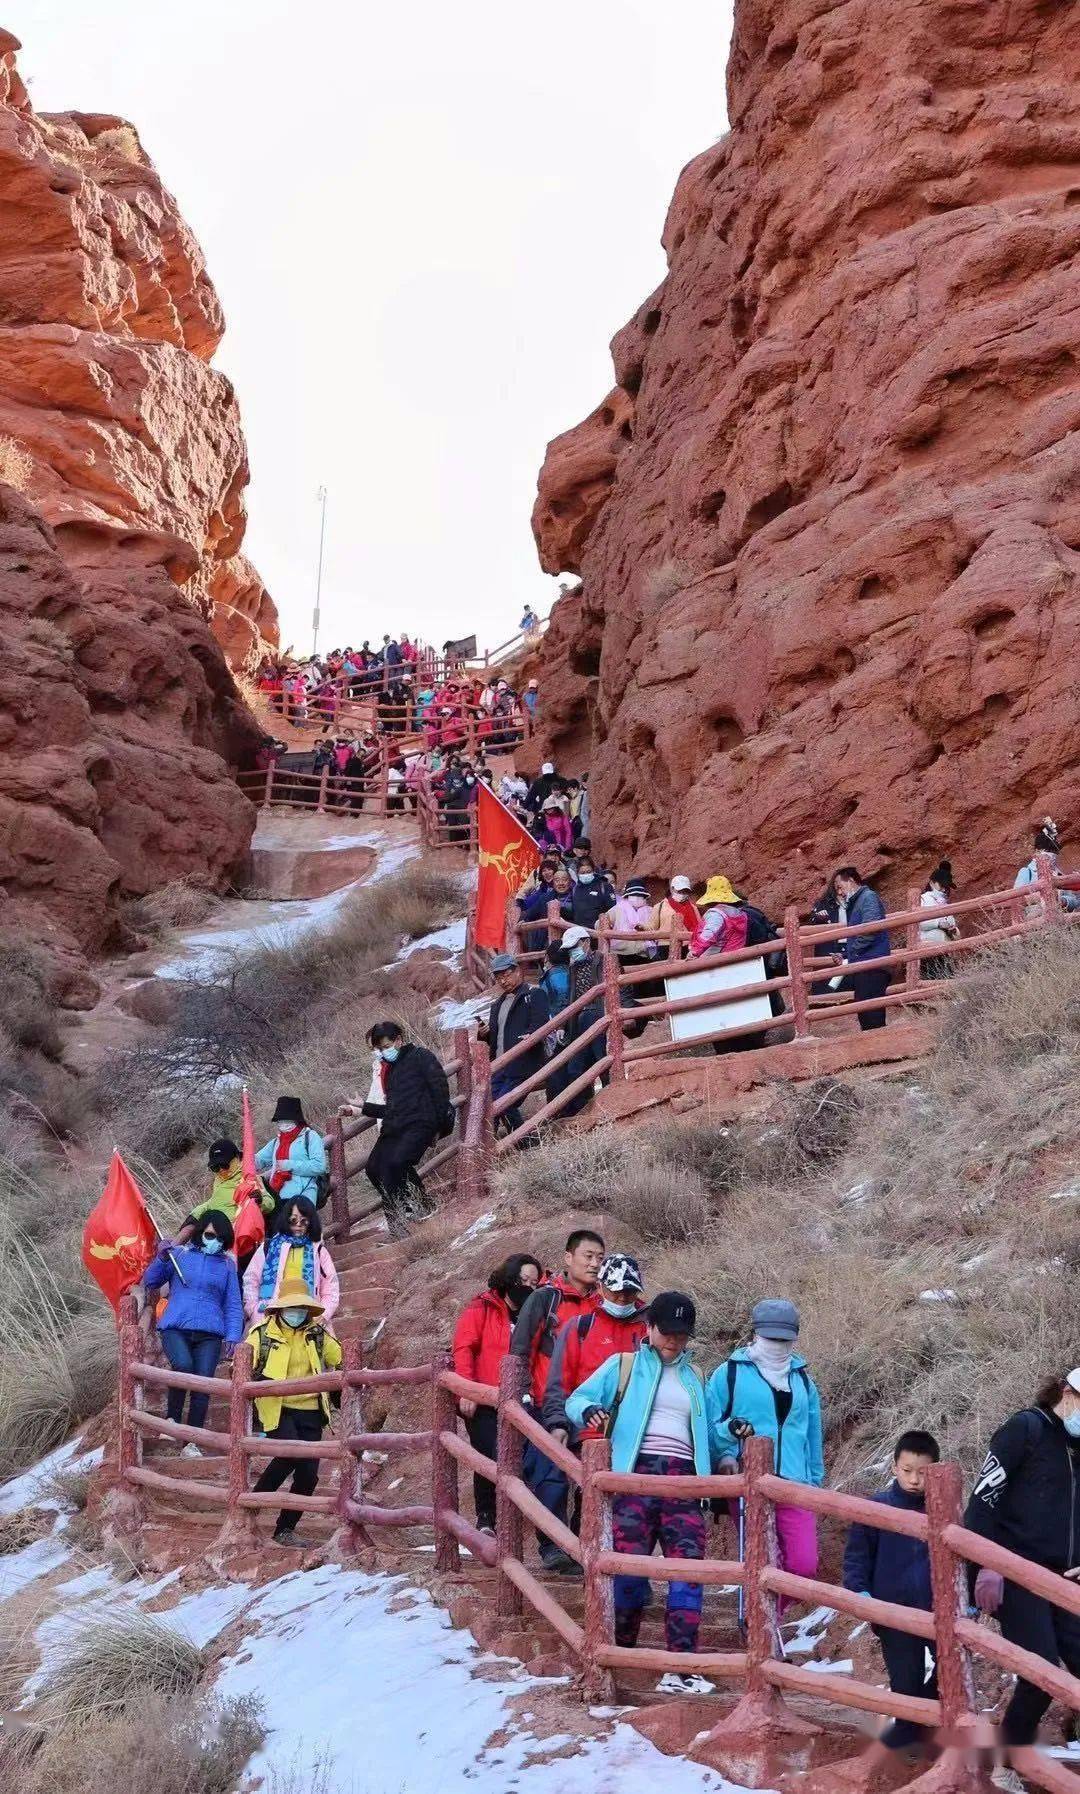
(110, 1661)
(120, 140)
(16, 465)
(164, 1746)
(24, 1527)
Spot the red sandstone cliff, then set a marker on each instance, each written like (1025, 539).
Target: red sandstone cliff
(828, 520)
(119, 719)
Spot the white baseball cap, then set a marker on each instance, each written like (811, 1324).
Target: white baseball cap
(573, 937)
(547, 767)
(681, 883)
(1073, 1379)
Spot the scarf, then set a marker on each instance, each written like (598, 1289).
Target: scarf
(281, 1173)
(687, 911)
(773, 1359)
(278, 1244)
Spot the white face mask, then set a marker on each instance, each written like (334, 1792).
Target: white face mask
(294, 1317)
(1071, 1424)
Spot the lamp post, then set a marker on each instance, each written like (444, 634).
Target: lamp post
(321, 496)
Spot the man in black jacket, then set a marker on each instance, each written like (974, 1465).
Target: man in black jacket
(415, 1110)
(519, 1010)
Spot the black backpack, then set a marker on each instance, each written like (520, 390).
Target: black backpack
(758, 927)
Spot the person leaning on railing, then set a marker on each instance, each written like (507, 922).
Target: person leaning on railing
(519, 1010)
(1027, 1498)
(288, 1343)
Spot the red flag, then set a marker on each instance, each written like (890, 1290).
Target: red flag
(119, 1238)
(249, 1227)
(508, 856)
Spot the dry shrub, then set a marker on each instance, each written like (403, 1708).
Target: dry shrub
(27, 1004)
(112, 1660)
(70, 1486)
(120, 140)
(162, 1746)
(20, 1617)
(42, 632)
(640, 1176)
(24, 1527)
(16, 465)
(182, 904)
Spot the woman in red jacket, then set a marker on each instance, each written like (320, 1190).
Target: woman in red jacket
(481, 1342)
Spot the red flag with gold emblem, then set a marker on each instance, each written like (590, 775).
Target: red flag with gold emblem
(508, 858)
(249, 1228)
(119, 1239)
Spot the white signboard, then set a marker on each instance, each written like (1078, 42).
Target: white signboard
(744, 1012)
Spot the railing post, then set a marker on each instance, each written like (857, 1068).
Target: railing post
(240, 1526)
(463, 1055)
(598, 1683)
(324, 780)
(746, 1744)
(514, 943)
(956, 1681)
(912, 967)
(269, 791)
(616, 1044)
(350, 1535)
(800, 990)
(339, 1180)
(510, 1452)
(554, 917)
(384, 785)
(1052, 910)
(444, 1469)
(123, 1511)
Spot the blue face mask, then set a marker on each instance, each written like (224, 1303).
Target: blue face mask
(390, 1054)
(294, 1317)
(617, 1310)
(1072, 1424)
(578, 952)
(211, 1244)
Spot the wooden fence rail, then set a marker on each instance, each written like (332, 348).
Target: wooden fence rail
(758, 1668)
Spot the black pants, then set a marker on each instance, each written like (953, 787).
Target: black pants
(905, 1664)
(482, 1429)
(864, 987)
(391, 1168)
(1051, 1633)
(295, 1423)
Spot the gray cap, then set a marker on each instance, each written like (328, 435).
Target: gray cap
(775, 1319)
(503, 962)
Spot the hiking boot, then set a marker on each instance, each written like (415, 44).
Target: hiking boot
(559, 1563)
(488, 1531)
(293, 1540)
(1007, 1780)
(676, 1682)
(191, 1450)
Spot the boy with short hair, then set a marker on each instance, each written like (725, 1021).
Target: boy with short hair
(892, 1567)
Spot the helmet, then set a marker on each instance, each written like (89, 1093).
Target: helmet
(619, 1272)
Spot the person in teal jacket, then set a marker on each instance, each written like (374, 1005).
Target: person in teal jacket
(293, 1163)
(766, 1388)
(656, 1408)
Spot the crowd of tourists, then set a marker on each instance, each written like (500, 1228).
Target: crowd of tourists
(604, 1360)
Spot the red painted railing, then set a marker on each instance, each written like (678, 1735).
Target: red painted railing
(759, 1669)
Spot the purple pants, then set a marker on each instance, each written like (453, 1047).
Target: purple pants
(639, 1524)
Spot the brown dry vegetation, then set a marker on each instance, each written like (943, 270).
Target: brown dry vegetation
(927, 1226)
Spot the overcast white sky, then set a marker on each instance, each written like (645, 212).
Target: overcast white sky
(425, 222)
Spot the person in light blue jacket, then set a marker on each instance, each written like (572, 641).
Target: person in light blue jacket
(766, 1388)
(656, 1408)
(294, 1161)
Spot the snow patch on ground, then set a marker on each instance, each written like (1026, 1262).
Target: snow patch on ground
(479, 1226)
(452, 1014)
(449, 940)
(806, 1632)
(31, 1488)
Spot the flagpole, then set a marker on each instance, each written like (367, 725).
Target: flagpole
(156, 1227)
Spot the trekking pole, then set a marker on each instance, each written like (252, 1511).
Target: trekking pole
(741, 1523)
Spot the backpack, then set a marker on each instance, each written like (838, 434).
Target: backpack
(626, 1367)
(758, 927)
(321, 1180)
(800, 1370)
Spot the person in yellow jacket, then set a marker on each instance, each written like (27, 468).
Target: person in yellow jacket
(223, 1160)
(287, 1343)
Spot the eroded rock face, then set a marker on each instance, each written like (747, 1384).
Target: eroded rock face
(118, 718)
(828, 520)
(112, 421)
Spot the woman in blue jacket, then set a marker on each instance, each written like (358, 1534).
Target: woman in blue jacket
(766, 1388)
(294, 1161)
(204, 1312)
(655, 1405)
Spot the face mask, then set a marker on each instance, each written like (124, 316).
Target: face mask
(578, 953)
(617, 1310)
(586, 878)
(390, 1054)
(211, 1244)
(518, 1293)
(1072, 1424)
(294, 1317)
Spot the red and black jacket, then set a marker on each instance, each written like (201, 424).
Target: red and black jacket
(538, 1325)
(583, 1345)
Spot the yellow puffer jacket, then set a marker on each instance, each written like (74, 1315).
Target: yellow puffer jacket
(271, 1345)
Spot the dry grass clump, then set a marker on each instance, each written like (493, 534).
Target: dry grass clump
(631, 1174)
(16, 465)
(163, 1746)
(24, 1527)
(121, 140)
(113, 1660)
(182, 904)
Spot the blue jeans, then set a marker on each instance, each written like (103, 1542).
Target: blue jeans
(550, 1487)
(197, 1354)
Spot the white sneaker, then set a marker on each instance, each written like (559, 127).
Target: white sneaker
(1007, 1780)
(191, 1451)
(674, 1682)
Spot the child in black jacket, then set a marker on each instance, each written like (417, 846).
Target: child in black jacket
(892, 1567)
